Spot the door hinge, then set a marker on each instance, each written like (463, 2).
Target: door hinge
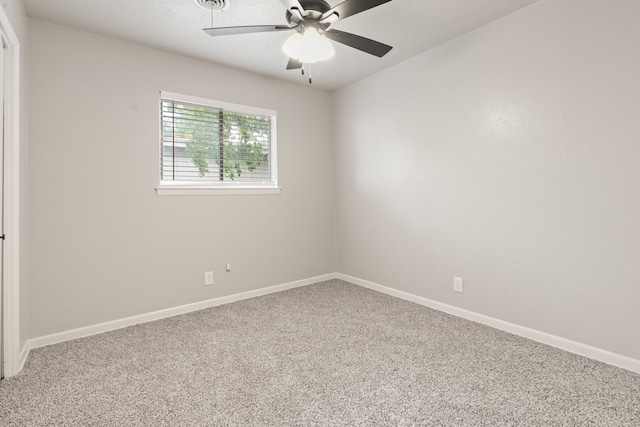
(2, 237)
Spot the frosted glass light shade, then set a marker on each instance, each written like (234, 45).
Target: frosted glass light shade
(309, 47)
(326, 51)
(308, 58)
(293, 46)
(311, 41)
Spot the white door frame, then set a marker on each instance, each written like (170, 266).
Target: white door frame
(13, 355)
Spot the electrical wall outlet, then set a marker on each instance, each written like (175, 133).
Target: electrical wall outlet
(457, 284)
(228, 267)
(208, 278)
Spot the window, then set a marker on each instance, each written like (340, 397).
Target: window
(210, 147)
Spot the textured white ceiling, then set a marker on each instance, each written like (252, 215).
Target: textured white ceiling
(410, 26)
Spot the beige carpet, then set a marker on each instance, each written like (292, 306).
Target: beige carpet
(326, 354)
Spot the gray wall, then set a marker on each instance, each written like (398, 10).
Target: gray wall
(508, 157)
(103, 245)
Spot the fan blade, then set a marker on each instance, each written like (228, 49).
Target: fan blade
(226, 31)
(351, 7)
(294, 64)
(358, 42)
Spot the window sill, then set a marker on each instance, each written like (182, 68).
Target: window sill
(215, 191)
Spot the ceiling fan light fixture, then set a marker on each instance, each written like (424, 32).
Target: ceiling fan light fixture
(327, 50)
(308, 58)
(293, 46)
(309, 47)
(311, 41)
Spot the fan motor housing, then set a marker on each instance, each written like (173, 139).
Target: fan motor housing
(313, 9)
(319, 6)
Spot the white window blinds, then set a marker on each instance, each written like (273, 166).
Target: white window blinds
(209, 143)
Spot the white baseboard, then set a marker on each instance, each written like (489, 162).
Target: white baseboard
(545, 338)
(161, 314)
(542, 337)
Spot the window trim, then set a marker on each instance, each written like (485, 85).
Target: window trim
(211, 191)
(166, 188)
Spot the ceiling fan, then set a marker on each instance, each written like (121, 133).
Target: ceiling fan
(311, 20)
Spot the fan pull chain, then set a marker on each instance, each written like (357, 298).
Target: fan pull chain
(308, 71)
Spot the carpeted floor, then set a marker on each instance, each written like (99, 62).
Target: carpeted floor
(326, 354)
